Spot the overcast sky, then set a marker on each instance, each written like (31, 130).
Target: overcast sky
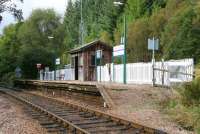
(29, 5)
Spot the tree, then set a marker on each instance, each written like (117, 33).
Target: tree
(9, 49)
(36, 46)
(138, 35)
(31, 56)
(5, 5)
(39, 26)
(181, 35)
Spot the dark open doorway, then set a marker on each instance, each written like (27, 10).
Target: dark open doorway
(76, 68)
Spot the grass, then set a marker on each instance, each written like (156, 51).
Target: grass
(184, 106)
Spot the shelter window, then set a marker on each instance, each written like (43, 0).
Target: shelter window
(93, 60)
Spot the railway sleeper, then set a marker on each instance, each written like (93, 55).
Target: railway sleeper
(108, 124)
(108, 129)
(90, 122)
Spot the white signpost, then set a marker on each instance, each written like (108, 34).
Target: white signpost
(153, 45)
(118, 50)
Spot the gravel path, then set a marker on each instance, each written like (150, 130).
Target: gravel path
(14, 121)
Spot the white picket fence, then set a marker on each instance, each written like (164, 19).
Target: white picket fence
(63, 74)
(142, 73)
(165, 73)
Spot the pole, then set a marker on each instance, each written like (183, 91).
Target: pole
(55, 68)
(38, 74)
(153, 60)
(100, 69)
(81, 22)
(163, 72)
(113, 69)
(125, 42)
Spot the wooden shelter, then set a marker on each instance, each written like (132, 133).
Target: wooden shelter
(84, 59)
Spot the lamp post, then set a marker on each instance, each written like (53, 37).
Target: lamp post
(39, 65)
(51, 37)
(124, 42)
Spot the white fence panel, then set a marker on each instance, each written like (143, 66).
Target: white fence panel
(118, 73)
(69, 74)
(162, 76)
(62, 74)
(139, 73)
(80, 74)
(181, 70)
(103, 73)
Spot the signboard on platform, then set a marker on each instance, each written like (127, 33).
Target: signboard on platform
(98, 54)
(38, 66)
(58, 61)
(118, 50)
(153, 44)
(18, 72)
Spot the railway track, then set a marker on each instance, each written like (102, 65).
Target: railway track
(51, 126)
(61, 117)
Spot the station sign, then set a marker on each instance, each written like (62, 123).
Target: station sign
(118, 50)
(58, 61)
(39, 65)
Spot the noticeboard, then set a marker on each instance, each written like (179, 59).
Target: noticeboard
(118, 50)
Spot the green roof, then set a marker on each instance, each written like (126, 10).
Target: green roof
(85, 46)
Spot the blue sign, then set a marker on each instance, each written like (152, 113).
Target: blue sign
(153, 44)
(18, 72)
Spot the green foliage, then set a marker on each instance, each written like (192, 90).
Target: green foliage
(188, 116)
(181, 35)
(138, 34)
(8, 79)
(191, 92)
(9, 49)
(40, 25)
(26, 44)
(186, 103)
(99, 17)
(30, 56)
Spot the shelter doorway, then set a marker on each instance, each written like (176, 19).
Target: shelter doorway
(76, 67)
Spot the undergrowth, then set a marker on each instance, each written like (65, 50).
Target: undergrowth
(184, 106)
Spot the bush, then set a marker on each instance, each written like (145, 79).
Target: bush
(184, 107)
(8, 79)
(191, 92)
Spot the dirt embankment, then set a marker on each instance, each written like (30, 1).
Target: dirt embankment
(143, 104)
(14, 121)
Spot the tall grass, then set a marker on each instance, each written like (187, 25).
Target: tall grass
(184, 107)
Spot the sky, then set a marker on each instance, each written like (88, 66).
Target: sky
(28, 5)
